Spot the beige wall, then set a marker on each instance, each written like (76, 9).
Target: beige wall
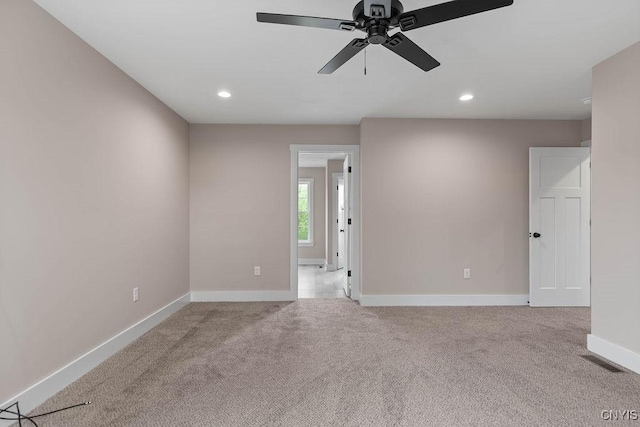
(333, 166)
(316, 251)
(616, 200)
(240, 180)
(93, 198)
(439, 196)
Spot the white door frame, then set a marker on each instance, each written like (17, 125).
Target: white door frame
(335, 177)
(354, 151)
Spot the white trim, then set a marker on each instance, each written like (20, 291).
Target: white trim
(310, 182)
(354, 236)
(241, 296)
(615, 353)
(442, 300)
(331, 267)
(293, 228)
(335, 177)
(38, 393)
(311, 261)
(586, 144)
(354, 151)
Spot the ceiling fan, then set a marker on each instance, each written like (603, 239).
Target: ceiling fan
(378, 17)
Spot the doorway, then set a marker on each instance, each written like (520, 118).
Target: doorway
(324, 211)
(317, 275)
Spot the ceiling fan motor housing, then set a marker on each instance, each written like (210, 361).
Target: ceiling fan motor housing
(377, 34)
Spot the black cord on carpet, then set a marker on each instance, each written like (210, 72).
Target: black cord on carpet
(19, 417)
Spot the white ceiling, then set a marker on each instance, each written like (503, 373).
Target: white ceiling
(317, 160)
(531, 60)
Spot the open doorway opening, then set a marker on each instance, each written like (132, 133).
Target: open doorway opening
(324, 210)
(321, 205)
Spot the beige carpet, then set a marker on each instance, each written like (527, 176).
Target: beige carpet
(334, 363)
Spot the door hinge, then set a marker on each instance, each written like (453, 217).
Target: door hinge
(337, 187)
(349, 222)
(349, 273)
(349, 169)
(337, 253)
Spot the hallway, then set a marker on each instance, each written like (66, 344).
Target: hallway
(315, 282)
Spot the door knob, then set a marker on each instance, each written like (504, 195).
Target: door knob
(536, 235)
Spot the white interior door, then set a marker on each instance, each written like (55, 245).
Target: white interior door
(560, 234)
(347, 227)
(341, 223)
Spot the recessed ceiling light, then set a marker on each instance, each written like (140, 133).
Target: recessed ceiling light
(466, 97)
(224, 94)
(587, 101)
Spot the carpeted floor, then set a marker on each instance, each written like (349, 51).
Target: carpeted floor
(334, 363)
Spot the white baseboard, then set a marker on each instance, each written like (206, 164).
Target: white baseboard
(241, 296)
(614, 353)
(38, 393)
(442, 300)
(311, 261)
(331, 267)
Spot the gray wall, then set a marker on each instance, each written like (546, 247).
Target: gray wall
(93, 198)
(240, 180)
(317, 251)
(616, 200)
(439, 196)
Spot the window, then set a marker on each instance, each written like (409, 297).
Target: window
(305, 211)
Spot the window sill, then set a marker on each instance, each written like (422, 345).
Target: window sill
(305, 244)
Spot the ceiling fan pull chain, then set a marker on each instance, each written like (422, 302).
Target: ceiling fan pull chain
(365, 61)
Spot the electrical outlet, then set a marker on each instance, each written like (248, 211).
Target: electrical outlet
(256, 270)
(135, 294)
(467, 273)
